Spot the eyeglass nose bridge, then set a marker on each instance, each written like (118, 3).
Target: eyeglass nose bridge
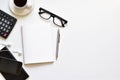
(53, 17)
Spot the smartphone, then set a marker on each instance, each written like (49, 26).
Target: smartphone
(10, 66)
(22, 76)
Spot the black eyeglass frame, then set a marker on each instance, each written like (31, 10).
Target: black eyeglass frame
(63, 21)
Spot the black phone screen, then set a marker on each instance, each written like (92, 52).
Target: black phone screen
(10, 66)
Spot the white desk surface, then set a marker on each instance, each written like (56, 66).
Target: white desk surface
(90, 44)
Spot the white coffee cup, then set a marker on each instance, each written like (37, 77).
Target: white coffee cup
(22, 4)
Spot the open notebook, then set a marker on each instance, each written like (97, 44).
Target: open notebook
(40, 44)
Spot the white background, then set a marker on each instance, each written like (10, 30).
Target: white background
(90, 43)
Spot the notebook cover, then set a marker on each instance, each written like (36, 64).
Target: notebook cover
(22, 76)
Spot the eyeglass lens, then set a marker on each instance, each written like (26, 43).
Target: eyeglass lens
(57, 21)
(44, 15)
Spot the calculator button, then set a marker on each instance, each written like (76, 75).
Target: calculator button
(8, 22)
(1, 14)
(2, 19)
(7, 18)
(5, 21)
(4, 29)
(11, 24)
(1, 27)
(9, 27)
(7, 31)
(5, 35)
(11, 19)
(4, 15)
(6, 26)
(3, 24)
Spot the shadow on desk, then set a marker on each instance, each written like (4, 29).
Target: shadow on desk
(38, 64)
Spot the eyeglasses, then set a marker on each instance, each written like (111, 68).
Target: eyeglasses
(56, 19)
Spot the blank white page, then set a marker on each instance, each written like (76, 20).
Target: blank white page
(39, 44)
